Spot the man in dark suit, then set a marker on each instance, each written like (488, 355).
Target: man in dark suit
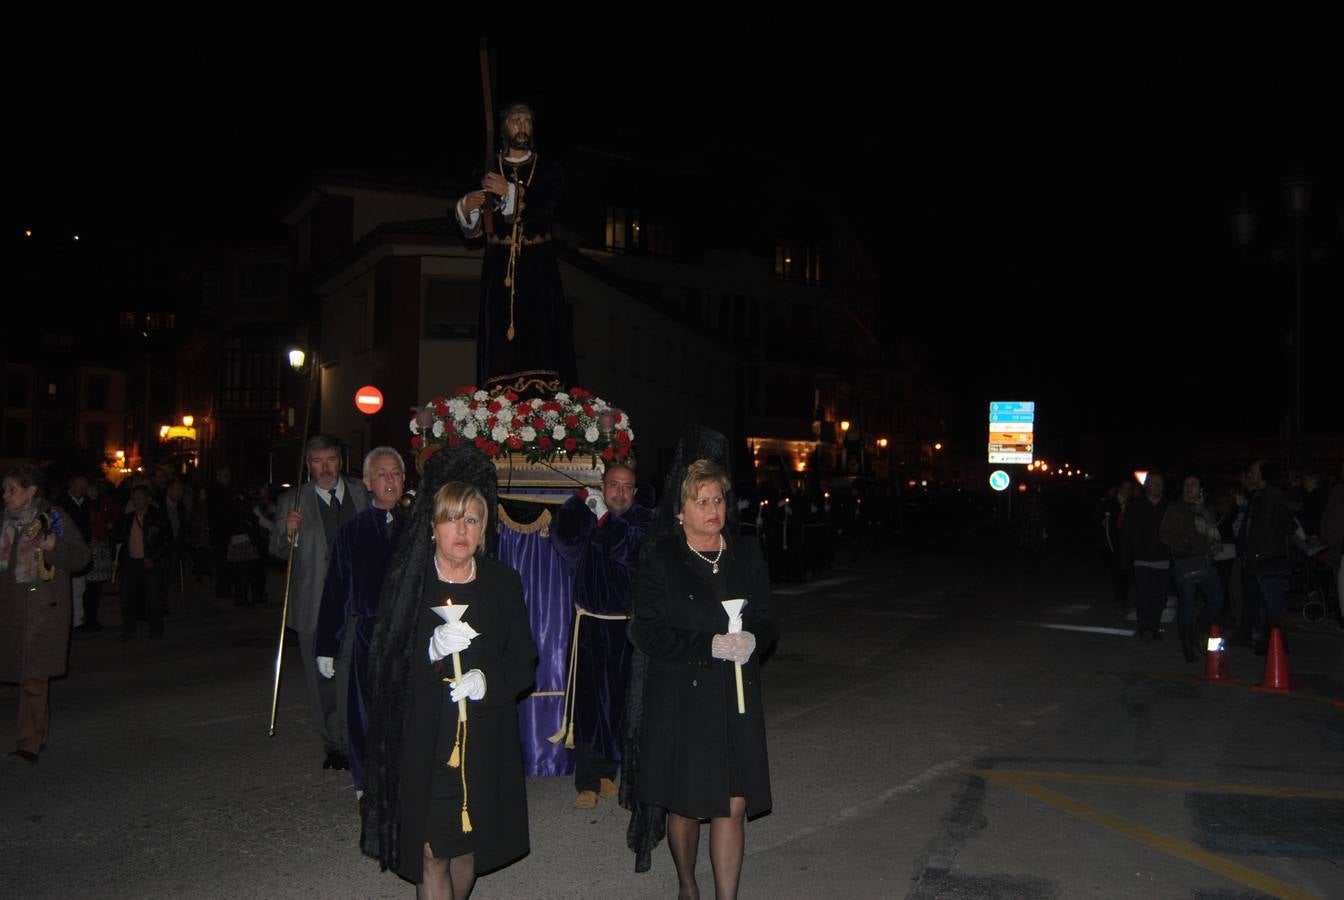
(75, 504)
(307, 519)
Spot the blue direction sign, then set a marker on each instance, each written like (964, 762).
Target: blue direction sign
(1012, 431)
(999, 480)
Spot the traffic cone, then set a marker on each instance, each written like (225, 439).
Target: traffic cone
(1215, 662)
(1276, 666)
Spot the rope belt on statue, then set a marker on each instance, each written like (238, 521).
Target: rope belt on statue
(516, 240)
(566, 732)
(496, 241)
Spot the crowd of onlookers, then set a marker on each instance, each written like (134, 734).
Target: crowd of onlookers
(158, 536)
(1240, 550)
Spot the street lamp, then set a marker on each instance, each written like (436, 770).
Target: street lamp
(188, 421)
(296, 358)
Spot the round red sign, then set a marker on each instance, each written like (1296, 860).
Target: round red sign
(368, 399)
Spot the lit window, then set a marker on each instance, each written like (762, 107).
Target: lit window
(51, 389)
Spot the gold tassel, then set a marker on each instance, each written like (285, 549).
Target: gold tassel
(462, 739)
(456, 759)
(466, 819)
(508, 281)
(509, 334)
(559, 735)
(569, 738)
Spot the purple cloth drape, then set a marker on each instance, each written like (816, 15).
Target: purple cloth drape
(550, 612)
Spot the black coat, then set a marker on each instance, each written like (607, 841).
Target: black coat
(507, 657)
(158, 536)
(690, 698)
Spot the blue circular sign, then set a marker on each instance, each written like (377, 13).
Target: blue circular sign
(999, 480)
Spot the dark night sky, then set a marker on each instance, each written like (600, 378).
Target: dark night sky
(1063, 179)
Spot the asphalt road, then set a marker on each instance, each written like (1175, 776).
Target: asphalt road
(941, 725)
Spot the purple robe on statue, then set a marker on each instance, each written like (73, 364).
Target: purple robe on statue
(601, 558)
(360, 557)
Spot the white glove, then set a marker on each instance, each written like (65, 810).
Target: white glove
(450, 638)
(326, 666)
(593, 498)
(471, 685)
(735, 648)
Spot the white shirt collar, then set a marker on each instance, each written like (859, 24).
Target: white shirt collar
(325, 495)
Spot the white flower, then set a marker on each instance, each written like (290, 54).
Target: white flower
(527, 433)
(438, 428)
(480, 395)
(415, 427)
(481, 413)
(558, 432)
(498, 434)
(630, 433)
(550, 416)
(561, 397)
(590, 434)
(469, 431)
(458, 408)
(536, 403)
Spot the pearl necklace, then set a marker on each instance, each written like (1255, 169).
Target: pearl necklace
(439, 572)
(714, 563)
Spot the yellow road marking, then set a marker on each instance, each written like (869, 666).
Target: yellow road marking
(1023, 783)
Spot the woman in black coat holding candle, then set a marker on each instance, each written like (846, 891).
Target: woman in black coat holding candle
(695, 755)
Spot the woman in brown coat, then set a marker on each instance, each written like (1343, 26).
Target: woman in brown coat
(38, 549)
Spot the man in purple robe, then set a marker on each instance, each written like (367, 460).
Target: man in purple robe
(360, 558)
(598, 535)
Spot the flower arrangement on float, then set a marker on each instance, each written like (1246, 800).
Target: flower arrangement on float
(569, 424)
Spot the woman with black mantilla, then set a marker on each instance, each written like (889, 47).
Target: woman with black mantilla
(695, 757)
(434, 823)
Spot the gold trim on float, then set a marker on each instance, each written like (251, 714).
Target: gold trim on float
(542, 523)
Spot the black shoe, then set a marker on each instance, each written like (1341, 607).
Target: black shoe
(26, 755)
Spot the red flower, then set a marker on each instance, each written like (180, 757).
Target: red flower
(417, 442)
(572, 421)
(579, 392)
(517, 422)
(442, 410)
(544, 442)
(608, 454)
(491, 422)
(588, 410)
(511, 396)
(570, 444)
(515, 442)
(496, 406)
(491, 448)
(623, 437)
(481, 442)
(437, 401)
(473, 404)
(454, 441)
(539, 423)
(468, 390)
(622, 452)
(551, 406)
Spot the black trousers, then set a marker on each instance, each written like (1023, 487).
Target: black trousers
(141, 585)
(590, 767)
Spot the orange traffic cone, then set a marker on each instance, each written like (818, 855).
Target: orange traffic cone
(1276, 666)
(1215, 662)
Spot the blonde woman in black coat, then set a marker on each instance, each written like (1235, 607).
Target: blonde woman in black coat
(699, 758)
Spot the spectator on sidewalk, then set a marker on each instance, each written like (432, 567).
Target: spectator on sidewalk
(1190, 532)
(1152, 561)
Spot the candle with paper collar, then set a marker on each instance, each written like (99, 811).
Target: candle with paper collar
(734, 610)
